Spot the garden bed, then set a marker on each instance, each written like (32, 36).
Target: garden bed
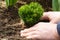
(10, 23)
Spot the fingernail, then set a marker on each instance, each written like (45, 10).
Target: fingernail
(21, 35)
(28, 37)
(22, 31)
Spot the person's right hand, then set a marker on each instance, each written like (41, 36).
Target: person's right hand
(53, 17)
(41, 31)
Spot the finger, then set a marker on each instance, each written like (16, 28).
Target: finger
(28, 30)
(33, 37)
(29, 34)
(26, 33)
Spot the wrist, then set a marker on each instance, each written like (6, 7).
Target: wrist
(56, 34)
(58, 29)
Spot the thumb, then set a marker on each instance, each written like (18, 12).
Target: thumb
(45, 16)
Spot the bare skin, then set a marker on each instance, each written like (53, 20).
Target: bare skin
(54, 17)
(41, 31)
(44, 31)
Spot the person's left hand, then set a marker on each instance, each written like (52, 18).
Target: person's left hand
(41, 31)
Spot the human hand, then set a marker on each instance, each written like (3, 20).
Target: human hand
(53, 17)
(41, 31)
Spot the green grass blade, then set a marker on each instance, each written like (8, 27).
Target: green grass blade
(59, 4)
(55, 5)
(10, 2)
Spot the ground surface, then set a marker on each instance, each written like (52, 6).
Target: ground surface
(10, 26)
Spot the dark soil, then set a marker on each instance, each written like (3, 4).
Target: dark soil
(10, 26)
